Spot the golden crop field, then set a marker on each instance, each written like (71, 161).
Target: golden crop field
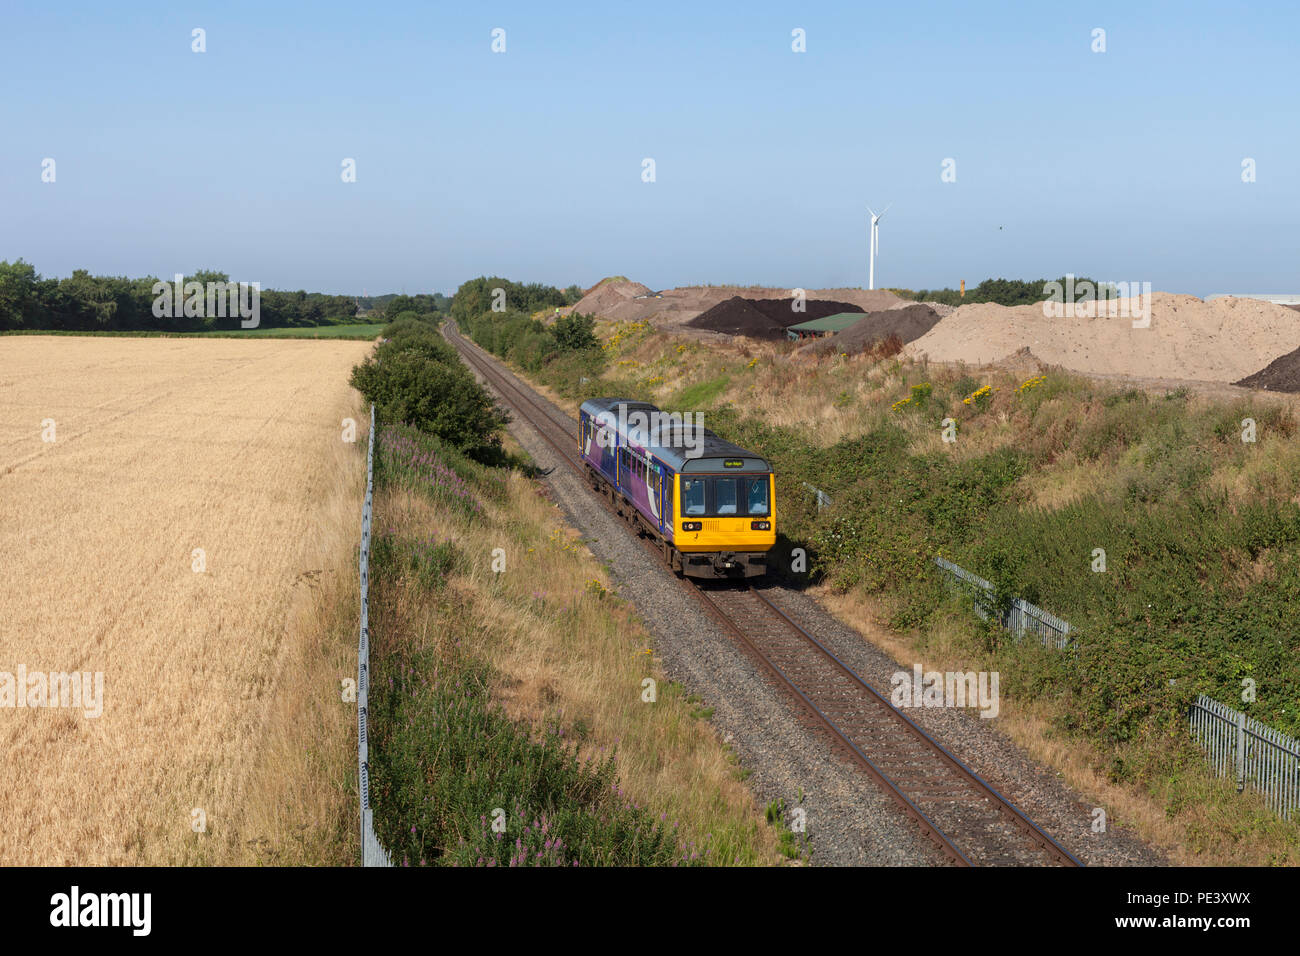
(179, 534)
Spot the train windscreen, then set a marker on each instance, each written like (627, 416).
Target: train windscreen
(725, 497)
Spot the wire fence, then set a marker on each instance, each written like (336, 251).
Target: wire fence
(372, 851)
(1259, 757)
(1256, 755)
(1020, 618)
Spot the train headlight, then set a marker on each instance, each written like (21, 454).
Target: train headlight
(761, 525)
(692, 525)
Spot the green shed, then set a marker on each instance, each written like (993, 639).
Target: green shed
(828, 325)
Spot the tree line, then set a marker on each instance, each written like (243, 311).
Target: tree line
(86, 303)
(499, 315)
(1001, 291)
(495, 294)
(393, 304)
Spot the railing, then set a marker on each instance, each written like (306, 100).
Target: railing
(1020, 618)
(823, 499)
(1259, 757)
(372, 851)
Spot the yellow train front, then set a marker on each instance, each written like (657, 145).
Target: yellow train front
(710, 505)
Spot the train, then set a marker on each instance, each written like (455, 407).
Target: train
(709, 505)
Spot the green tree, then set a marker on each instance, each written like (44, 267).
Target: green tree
(18, 296)
(575, 332)
(413, 381)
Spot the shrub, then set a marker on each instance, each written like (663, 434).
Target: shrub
(438, 395)
(575, 332)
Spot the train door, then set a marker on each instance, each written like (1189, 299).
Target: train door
(607, 439)
(666, 483)
(654, 492)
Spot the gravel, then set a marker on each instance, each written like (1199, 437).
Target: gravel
(1038, 792)
(849, 820)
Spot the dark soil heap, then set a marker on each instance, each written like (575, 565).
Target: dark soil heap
(764, 318)
(908, 323)
(1280, 375)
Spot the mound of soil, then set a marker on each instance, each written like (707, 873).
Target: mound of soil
(764, 318)
(1280, 375)
(1022, 362)
(1185, 338)
(907, 323)
(608, 294)
(625, 301)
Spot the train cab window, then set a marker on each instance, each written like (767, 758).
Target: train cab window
(724, 496)
(692, 496)
(757, 495)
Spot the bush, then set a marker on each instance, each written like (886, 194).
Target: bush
(575, 332)
(416, 335)
(412, 379)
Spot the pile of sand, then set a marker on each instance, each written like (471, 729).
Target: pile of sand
(608, 294)
(909, 323)
(764, 318)
(1219, 341)
(626, 301)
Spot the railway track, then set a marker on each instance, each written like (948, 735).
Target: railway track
(967, 819)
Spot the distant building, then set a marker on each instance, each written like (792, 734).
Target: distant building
(1276, 299)
(828, 325)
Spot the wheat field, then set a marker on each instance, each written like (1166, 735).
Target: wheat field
(221, 702)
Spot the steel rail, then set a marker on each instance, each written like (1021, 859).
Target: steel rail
(505, 383)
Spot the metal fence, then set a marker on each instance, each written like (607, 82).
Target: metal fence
(823, 499)
(1020, 618)
(372, 852)
(1259, 757)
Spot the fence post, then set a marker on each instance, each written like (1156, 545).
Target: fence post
(372, 851)
(1241, 751)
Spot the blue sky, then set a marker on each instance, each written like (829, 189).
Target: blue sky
(1123, 165)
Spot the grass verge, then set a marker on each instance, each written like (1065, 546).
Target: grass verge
(1163, 525)
(512, 720)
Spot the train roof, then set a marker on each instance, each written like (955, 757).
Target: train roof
(667, 439)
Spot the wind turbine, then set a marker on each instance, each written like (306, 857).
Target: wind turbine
(874, 246)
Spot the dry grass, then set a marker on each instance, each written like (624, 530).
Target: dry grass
(221, 688)
(561, 648)
(1204, 832)
(1195, 818)
(829, 399)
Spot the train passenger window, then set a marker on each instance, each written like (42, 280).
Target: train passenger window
(693, 496)
(758, 495)
(724, 495)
